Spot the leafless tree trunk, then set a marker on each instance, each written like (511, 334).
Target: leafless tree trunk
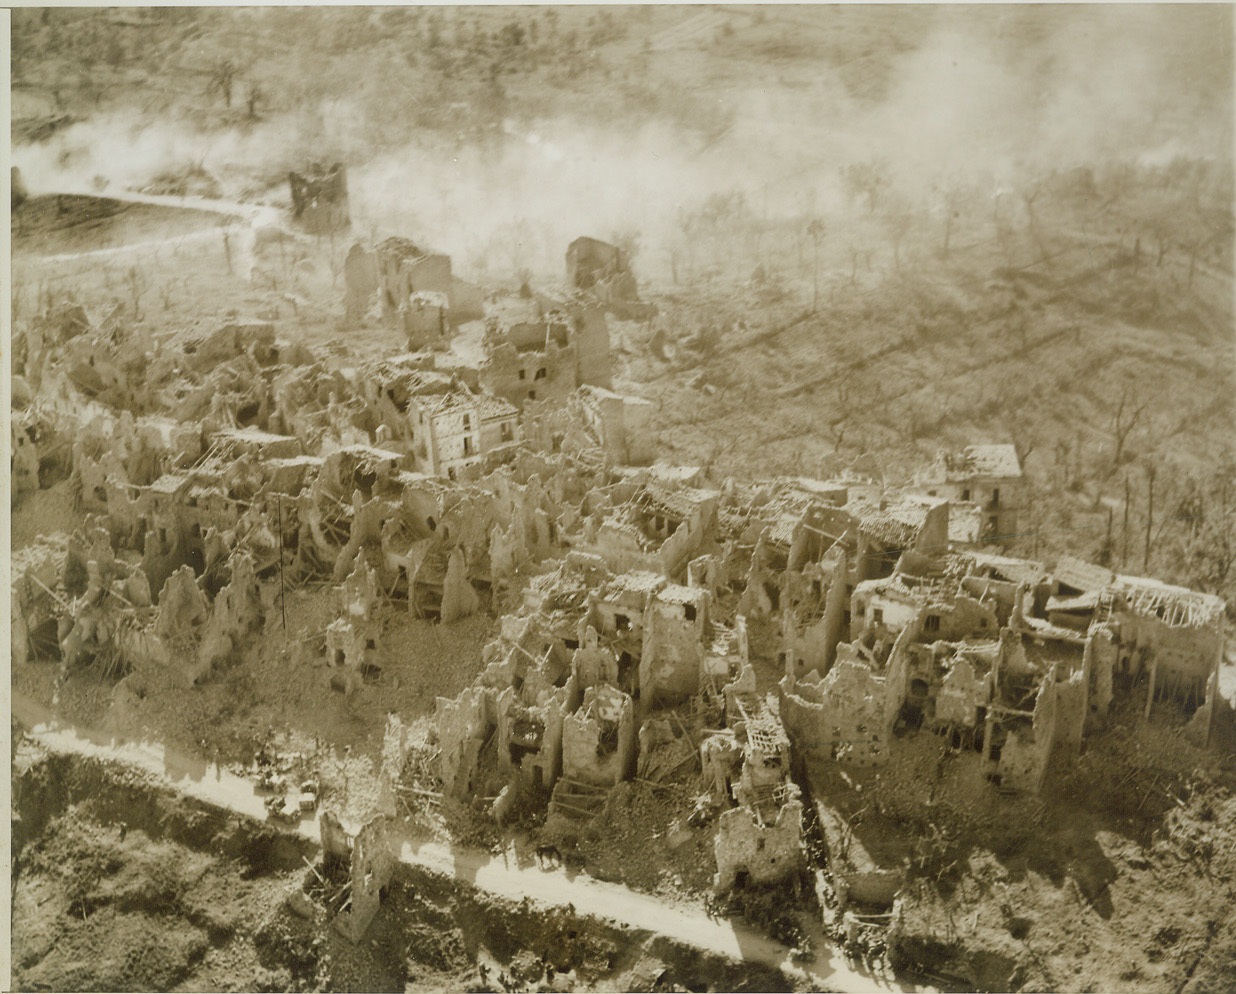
(1150, 474)
(1124, 421)
(1124, 533)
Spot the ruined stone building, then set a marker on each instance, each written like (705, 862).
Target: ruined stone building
(536, 351)
(601, 271)
(320, 199)
(765, 633)
(984, 485)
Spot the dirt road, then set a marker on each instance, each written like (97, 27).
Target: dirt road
(501, 875)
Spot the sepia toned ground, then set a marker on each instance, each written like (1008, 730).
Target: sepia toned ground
(1029, 249)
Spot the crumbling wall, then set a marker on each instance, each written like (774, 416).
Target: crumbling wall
(390, 769)
(1102, 651)
(590, 335)
(721, 762)
(672, 655)
(518, 377)
(373, 864)
(805, 716)
(875, 603)
(755, 600)
(426, 321)
(962, 692)
(405, 269)
(1026, 751)
(360, 276)
(459, 599)
(592, 663)
(855, 716)
(961, 617)
(750, 852)
(24, 463)
(236, 613)
(598, 740)
(462, 726)
(1070, 722)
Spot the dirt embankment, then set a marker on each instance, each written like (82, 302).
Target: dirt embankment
(121, 883)
(1121, 876)
(63, 222)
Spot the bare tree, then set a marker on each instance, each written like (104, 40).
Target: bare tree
(1028, 196)
(1125, 420)
(223, 79)
(251, 101)
(840, 423)
(867, 180)
(950, 203)
(898, 221)
(816, 230)
(1151, 472)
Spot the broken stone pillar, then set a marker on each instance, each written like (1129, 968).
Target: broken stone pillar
(183, 608)
(458, 598)
(373, 865)
(394, 754)
(237, 612)
(360, 274)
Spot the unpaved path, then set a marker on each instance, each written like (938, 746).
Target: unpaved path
(243, 218)
(501, 875)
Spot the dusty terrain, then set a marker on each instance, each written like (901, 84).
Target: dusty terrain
(1078, 304)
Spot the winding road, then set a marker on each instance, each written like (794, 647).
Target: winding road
(501, 875)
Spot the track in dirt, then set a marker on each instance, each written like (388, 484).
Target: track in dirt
(502, 876)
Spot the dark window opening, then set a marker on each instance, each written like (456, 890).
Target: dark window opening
(540, 374)
(622, 622)
(467, 445)
(688, 611)
(532, 395)
(523, 375)
(932, 624)
(965, 494)
(877, 616)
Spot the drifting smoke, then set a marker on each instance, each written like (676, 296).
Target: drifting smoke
(988, 99)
